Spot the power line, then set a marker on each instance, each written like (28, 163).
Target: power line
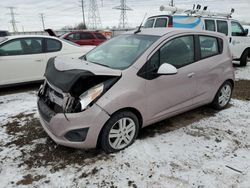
(94, 20)
(123, 23)
(42, 18)
(13, 20)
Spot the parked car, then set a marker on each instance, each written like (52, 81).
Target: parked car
(206, 20)
(24, 58)
(4, 33)
(85, 37)
(132, 81)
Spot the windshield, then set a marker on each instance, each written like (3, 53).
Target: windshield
(120, 52)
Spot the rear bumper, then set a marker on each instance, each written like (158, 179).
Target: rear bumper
(57, 126)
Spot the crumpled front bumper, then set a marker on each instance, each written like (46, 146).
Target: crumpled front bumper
(57, 125)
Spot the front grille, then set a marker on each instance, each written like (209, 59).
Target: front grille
(45, 112)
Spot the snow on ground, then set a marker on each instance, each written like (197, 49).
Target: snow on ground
(202, 148)
(242, 73)
(196, 155)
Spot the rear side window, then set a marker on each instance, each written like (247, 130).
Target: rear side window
(85, 36)
(149, 23)
(161, 22)
(222, 27)
(100, 36)
(210, 25)
(53, 45)
(209, 46)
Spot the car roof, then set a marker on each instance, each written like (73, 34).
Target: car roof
(27, 36)
(166, 30)
(185, 15)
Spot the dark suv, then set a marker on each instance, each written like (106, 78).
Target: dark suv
(4, 33)
(85, 37)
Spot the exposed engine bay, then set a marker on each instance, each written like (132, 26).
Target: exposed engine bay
(72, 90)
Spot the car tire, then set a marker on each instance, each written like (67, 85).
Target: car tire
(244, 58)
(119, 132)
(223, 96)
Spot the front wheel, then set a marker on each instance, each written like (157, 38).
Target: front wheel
(119, 132)
(223, 96)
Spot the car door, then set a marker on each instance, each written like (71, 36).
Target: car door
(237, 39)
(88, 38)
(21, 60)
(74, 37)
(99, 38)
(169, 94)
(208, 68)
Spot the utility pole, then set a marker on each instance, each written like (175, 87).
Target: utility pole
(42, 18)
(83, 16)
(13, 20)
(94, 20)
(171, 3)
(123, 16)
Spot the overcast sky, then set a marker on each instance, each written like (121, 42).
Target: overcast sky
(59, 13)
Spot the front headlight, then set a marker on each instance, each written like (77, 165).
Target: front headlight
(88, 96)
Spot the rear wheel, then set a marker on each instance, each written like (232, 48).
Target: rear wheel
(244, 58)
(119, 132)
(223, 96)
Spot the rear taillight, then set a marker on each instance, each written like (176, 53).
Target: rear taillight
(170, 25)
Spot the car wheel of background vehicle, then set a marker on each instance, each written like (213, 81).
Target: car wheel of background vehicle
(244, 58)
(223, 96)
(119, 132)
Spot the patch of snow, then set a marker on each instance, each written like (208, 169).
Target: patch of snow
(242, 73)
(14, 104)
(192, 156)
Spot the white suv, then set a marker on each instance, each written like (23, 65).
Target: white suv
(218, 22)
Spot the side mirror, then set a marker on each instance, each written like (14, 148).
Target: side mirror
(246, 32)
(166, 69)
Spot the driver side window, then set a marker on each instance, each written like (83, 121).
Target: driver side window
(237, 29)
(178, 52)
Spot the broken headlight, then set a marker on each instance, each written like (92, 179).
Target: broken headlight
(90, 95)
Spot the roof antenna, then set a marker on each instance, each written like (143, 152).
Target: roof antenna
(139, 28)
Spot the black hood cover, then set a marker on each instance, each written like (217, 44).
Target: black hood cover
(64, 79)
(76, 81)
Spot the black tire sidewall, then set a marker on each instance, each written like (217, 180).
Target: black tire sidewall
(104, 137)
(244, 58)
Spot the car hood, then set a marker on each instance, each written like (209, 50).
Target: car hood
(70, 74)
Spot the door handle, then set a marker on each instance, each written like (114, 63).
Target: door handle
(38, 60)
(230, 39)
(190, 75)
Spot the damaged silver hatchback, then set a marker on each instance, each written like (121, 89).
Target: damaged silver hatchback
(131, 81)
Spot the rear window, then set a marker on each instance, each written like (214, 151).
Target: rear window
(100, 36)
(209, 46)
(222, 27)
